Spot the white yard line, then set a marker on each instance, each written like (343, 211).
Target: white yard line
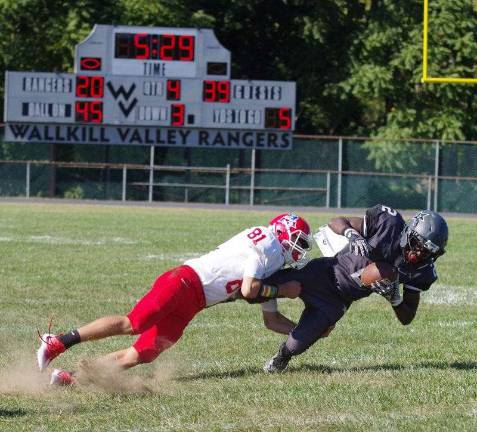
(171, 256)
(49, 239)
(450, 295)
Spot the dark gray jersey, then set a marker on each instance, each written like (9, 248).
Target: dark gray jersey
(328, 289)
(327, 278)
(382, 228)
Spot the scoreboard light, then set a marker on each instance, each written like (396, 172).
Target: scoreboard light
(143, 46)
(151, 77)
(89, 111)
(278, 118)
(173, 90)
(216, 91)
(177, 114)
(90, 63)
(89, 86)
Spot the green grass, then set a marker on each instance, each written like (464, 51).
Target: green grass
(77, 262)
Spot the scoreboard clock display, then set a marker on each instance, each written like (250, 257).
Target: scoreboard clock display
(144, 46)
(149, 77)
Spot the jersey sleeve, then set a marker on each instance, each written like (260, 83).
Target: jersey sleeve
(423, 281)
(255, 265)
(372, 220)
(382, 227)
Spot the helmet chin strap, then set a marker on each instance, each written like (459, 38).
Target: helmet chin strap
(412, 257)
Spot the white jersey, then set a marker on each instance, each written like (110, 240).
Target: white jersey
(254, 252)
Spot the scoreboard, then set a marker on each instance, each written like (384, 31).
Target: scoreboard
(150, 86)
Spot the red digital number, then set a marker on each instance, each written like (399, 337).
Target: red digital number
(186, 48)
(209, 91)
(177, 114)
(82, 85)
(256, 235)
(216, 91)
(141, 43)
(173, 89)
(233, 286)
(223, 91)
(97, 86)
(90, 63)
(167, 45)
(89, 111)
(90, 86)
(284, 118)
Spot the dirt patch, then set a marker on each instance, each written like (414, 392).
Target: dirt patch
(22, 376)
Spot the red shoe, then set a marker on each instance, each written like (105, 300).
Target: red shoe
(60, 377)
(50, 348)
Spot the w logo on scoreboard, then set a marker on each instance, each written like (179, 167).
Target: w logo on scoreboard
(121, 93)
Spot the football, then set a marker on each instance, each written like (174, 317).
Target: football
(377, 271)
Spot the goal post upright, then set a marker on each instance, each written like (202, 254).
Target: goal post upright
(425, 57)
(425, 41)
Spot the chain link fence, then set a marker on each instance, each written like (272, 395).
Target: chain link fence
(319, 171)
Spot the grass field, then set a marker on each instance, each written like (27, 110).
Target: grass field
(77, 262)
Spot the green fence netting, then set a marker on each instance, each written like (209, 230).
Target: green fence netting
(317, 172)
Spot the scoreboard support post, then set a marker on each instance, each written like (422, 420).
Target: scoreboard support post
(252, 178)
(151, 173)
(124, 183)
(227, 184)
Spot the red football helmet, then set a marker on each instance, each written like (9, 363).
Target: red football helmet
(294, 235)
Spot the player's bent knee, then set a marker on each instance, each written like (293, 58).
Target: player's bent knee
(148, 355)
(127, 327)
(149, 347)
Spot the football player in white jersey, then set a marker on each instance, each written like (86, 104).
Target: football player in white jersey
(235, 269)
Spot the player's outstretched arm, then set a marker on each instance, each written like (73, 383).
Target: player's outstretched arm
(340, 224)
(406, 311)
(277, 322)
(255, 289)
(352, 229)
(250, 287)
(290, 289)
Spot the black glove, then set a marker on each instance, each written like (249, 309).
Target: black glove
(357, 243)
(389, 290)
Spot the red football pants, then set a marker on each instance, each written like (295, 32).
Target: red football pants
(161, 316)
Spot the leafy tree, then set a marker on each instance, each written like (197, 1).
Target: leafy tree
(39, 35)
(385, 72)
(357, 63)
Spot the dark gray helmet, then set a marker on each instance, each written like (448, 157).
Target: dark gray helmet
(424, 237)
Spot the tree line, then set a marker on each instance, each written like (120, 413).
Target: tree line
(357, 63)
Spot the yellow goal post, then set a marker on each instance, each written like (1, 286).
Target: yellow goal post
(425, 46)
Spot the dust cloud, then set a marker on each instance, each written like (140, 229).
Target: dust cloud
(22, 377)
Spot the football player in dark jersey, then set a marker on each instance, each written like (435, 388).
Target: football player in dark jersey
(331, 284)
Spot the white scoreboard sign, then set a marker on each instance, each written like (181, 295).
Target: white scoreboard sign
(140, 85)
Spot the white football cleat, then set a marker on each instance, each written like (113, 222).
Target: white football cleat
(50, 348)
(60, 377)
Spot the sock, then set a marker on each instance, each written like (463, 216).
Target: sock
(285, 352)
(71, 338)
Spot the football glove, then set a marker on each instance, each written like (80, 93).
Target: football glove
(357, 243)
(389, 290)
